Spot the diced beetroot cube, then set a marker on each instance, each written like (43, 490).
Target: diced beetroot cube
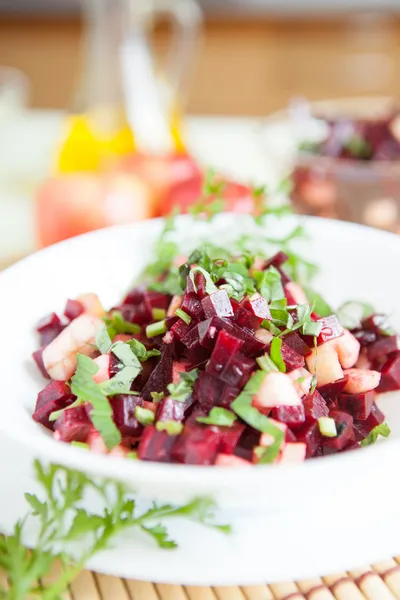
(155, 300)
(73, 309)
(345, 432)
(156, 445)
(199, 287)
(245, 318)
(258, 307)
(73, 424)
(390, 379)
(208, 329)
(293, 416)
(55, 396)
(374, 323)
(383, 347)
(134, 313)
(366, 338)
(228, 396)
(296, 343)
(123, 406)
(291, 358)
(173, 410)
(364, 428)
(191, 305)
(38, 358)
(230, 437)
(208, 332)
(49, 327)
(191, 339)
(249, 439)
(207, 390)
(236, 371)
(135, 296)
(197, 446)
(352, 446)
(290, 436)
(315, 407)
(197, 357)
(180, 329)
(161, 376)
(217, 304)
(331, 328)
(309, 434)
(332, 390)
(225, 348)
(358, 405)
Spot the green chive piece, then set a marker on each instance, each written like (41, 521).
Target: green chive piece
(158, 314)
(327, 427)
(266, 363)
(184, 316)
(158, 328)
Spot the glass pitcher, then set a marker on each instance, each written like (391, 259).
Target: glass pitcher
(124, 102)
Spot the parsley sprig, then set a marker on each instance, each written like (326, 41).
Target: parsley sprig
(69, 533)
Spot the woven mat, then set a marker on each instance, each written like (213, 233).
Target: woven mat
(377, 582)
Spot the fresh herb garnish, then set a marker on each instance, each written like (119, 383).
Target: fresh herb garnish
(247, 412)
(321, 307)
(144, 416)
(218, 416)
(358, 147)
(171, 427)
(117, 324)
(276, 354)
(62, 521)
(183, 389)
(351, 313)
(266, 363)
(155, 329)
(157, 396)
(141, 351)
(158, 314)
(210, 285)
(269, 284)
(380, 430)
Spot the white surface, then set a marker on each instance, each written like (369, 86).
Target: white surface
(289, 521)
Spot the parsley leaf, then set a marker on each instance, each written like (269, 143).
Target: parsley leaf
(383, 429)
(183, 389)
(210, 285)
(218, 416)
(140, 351)
(321, 307)
(351, 313)
(276, 354)
(269, 284)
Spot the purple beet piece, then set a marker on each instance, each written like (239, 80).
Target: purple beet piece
(191, 305)
(332, 390)
(331, 328)
(208, 333)
(156, 445)
(172, 410)
(197, 446)
(217, 304)
(293, 416)
(366, 338)
(38, 358)
(208, 390)
(123, 406)
(358, 405)
(290, 436)
(390, 378)
(352, 446)
(291, 358)
(230, 437)
(155, 300)
(199, 286)
(228, 395)
(383, 347)
(310, 436)
(296, 343)
(49, 327)
(375, 323)
(226, 347)
(197, 358)
(237, 371)
(73, 425)
(258, 307)
(364, 428)
(245, 318)
(134, 313)
(345, 432)
(191, 339)
(161, 376)
(55, 396)
(135, 296)
(315, 407)
(180, 329)
(73, 309)
(248, 440)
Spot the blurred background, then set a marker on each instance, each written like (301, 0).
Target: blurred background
(111, 110)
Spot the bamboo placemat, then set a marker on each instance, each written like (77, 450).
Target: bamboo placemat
(380, 581)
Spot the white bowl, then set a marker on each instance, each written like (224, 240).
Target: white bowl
(341, 491)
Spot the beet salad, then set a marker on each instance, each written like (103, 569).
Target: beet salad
(214, 360)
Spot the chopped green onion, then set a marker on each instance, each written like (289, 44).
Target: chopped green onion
(327, 427)
(171, 427)
(144, 415)
(158, 328)
(132, 455)
(266, 363)
(184, 316)
(157, 396)
(158, 314)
